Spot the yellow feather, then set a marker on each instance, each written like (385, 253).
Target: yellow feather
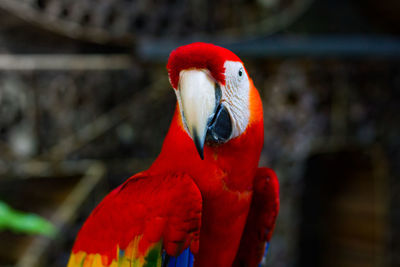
(130, 257)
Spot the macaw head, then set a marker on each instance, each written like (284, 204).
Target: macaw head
(213, 92)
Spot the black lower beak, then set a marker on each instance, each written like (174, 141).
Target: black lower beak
(220, 127)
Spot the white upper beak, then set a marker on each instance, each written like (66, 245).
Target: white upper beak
(196, 96)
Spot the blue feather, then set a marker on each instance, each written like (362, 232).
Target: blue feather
(185, 259)
(266, 250)
(264, 259)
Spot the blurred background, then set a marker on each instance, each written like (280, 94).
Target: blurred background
(85, 103)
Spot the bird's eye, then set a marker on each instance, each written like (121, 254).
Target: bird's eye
(240, 72)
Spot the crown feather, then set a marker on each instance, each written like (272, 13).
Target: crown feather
(199, 56)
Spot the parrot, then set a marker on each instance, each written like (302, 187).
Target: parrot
(203, 201)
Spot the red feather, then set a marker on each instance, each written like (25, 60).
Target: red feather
(261, 219)
(199, 56)
(168, 201)
(147, 205)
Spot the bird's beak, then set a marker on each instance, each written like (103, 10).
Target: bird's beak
(197, 90)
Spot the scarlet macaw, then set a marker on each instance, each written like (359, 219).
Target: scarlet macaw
(204, 201)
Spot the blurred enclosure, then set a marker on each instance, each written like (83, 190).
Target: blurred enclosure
(85, 103)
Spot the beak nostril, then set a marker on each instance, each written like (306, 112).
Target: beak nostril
(218, 94)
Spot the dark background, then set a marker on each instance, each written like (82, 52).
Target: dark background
(85, 103)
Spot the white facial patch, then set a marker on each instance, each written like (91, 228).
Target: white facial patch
(236, 96)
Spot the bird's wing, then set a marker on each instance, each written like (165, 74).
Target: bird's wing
(144, 221)
(261, 219)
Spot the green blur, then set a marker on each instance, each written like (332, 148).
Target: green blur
(20, 222)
